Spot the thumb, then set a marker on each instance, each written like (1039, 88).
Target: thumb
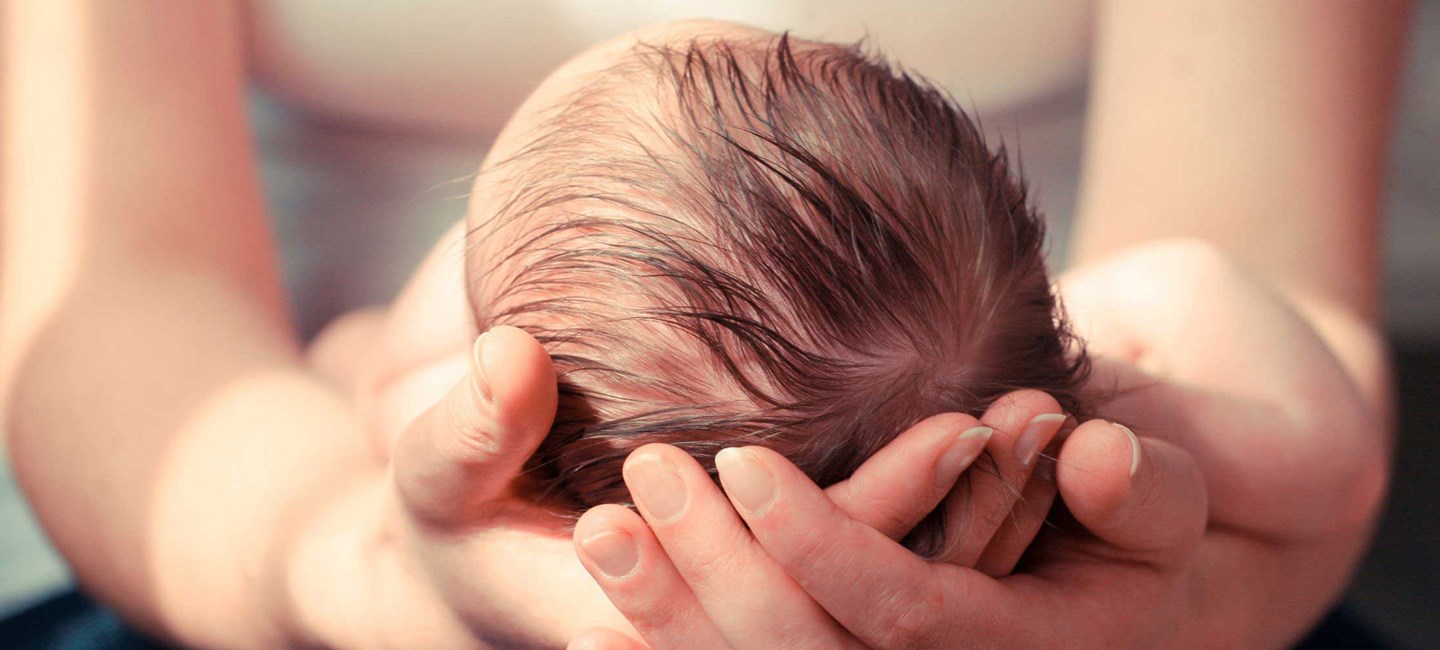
(464, 450)
(1138, 494)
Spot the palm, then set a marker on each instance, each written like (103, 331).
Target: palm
(1193, 350)
(1189, 348)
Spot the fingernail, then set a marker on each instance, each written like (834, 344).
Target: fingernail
(963, 450)
(656, 486)
(1134, 448)
(613, 552)
(747, 480)
(1036, 435)
(1045, 469)
(480, 381)
(1045, 464)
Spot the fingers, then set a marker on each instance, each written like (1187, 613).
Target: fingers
(747, 595)
(1026, 519)
(908, 478)
(1025, 422)
(470, 446)
(604, 639)
(881, 592)
(626, 560)
(1137, 494)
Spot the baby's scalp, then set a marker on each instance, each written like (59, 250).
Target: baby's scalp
(763, 241)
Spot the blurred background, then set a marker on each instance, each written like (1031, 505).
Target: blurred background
(369, 136)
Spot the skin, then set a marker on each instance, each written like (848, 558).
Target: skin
(370, 541)
(1252, 347)
(1211, 541)
(220, 486)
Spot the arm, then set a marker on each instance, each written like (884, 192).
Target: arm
(192, 471)
(1261, 128)
(155, 398)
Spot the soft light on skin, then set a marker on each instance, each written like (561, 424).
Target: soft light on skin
(123, 309)
(45, 102)
(242, 426)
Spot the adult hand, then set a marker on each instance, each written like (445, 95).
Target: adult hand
(1293, 442)
(432, 547)
(695, 578)
(1190, 349)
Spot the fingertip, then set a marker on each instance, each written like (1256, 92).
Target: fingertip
(651, 451)
(941, 423)
(654, 452)
(900, 484)
(468, 446)
(1015, 409)
(1138, 493)
(606, 518)
(608, 542)
(765, 455)
(779, 470)
(515, 376)
(1094, 468)
(1135, 451)
(1025, 421)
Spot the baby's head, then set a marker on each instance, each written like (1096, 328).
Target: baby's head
(753, 240)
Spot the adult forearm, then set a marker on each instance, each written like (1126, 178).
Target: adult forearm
(126, 148)
(170, 454)
(1260, 127)
(158, 418)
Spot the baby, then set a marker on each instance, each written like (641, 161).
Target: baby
(762, 241)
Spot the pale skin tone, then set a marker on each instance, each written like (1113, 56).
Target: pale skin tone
(220, 488)
(1258, 130)
(190, 312)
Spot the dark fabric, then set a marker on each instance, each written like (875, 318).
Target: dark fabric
(69, 621)
(1343, 630)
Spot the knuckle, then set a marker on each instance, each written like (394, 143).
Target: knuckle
(471, 431)
(895, 516)
(653, 615)
(997, 516)
(1152, 495)
(812, 552)
(795, 637)
(992, 508)
(911, 618)
(715, 561)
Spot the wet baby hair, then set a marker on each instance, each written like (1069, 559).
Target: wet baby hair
(767, 242)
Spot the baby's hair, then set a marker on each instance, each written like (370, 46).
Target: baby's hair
(796, 245)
